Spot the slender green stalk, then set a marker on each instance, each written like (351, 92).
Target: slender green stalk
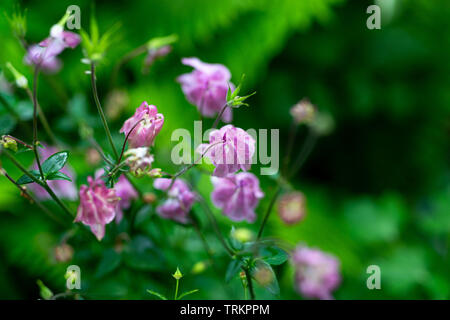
(33, 200)
(219, 116)
(176, 289)
(100, 111)
(249, 284)
(35, 141)
(269, 210)
(304, 153)
(41, 183)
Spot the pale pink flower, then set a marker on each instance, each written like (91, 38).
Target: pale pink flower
(237, 195)
(229, 149)
(149, 123)
(62, 188)
(179, 199)
(98, 206)
(206, 87)
(126, 192)
(317, 273)
(44, 54)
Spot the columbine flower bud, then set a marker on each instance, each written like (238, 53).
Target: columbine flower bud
(291, 207)
(237, 195)
(242, 234)
(19, 78)
(92, 156)
(177, 275)
(198, 267)
(45, 292)
(155, 173)
(140, 160)
(263, 275)
(206, 87)
(317, 273)
(63, 253)
(229, 149)
(149, 197)
(303, 112)
(9, 143)
(148, 123)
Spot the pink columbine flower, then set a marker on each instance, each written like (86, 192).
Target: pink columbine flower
(179, 202)
(237, 195)
(62, 188)
(126, 193)
(206, 87)
(140, 160)
(98, 206)
(229, 149)
(317, 273)
(45, 53)
(149, 123)
(291, 207)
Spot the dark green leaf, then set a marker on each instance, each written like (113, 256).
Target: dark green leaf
(58, 176)
(157, 294)
(26, 179)
(233, 268)
(110, 261)
(55, 162)
(274, 255)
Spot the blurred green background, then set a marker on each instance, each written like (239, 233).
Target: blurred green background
(377, 188)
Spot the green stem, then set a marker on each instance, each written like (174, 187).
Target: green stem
(304, 153)
(34, 99)
(176, 289)
(216, 122)
(249, 284)
(268, 211)
(100, 111)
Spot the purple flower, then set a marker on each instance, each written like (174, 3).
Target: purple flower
(179, 202)
(62, 188)
(154, 54)
(229, 149)
(98, 206)
(149, 123)
(126, 193)
(237, 195)
(206, 87)
(317, 273)
(45, 53)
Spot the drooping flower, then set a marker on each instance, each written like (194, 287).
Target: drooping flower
(154, 54)
(139, 159)
(149, 123)
(303, 112)
(229, 149)
(317, 273)
(237, 195)
(44, 55)
(291, 207)
(206, 87)
(179, 201)
(98, 206)
(126, 192)
(62, 188)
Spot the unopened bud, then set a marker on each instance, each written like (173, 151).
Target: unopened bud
(19, 78)
(291, 207)
(63, 253)
(177, 275)
(45, 292)
(92, 156)
(199, 267)
(263, 275)
(149, 197)
(242, 234)
(9, 143)
(323, 123)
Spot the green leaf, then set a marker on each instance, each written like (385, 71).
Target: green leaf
(58, 176)
(274, 255)
(55, 162)
(26, 179)
(187, 293)
(157, 294)
(233, 268)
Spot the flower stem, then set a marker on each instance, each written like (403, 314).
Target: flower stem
(176, 289)
(219, 116)
(41, 183)
(100, 111)
(249, 283)
(304, 153)
(268, 211)
(34, 99)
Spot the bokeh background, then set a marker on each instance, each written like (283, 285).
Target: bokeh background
(377, 187)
